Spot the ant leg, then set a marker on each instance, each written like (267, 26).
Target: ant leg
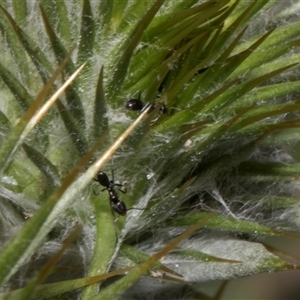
(112, 175)
(114, 224)
(122, 189)
(154, 120)
(136, 208)
(99, 192)
(118, 184)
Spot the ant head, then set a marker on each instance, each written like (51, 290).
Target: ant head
(163, 109)
(102, 178)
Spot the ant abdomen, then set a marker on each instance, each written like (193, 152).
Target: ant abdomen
(134, 104)
(119, 207)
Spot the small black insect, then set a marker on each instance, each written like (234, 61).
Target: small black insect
(137, 105)
(117, 205)
(134, 104)
(163, 109)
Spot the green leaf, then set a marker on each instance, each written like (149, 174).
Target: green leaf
(44, 165)
(105, 243)
(268, 169)
(197, 256)
(251, 257)
(233, 95)
(224, 223)
(248, 13)
(74, 101)
(119, 287)
(264, 93)
(100, 109)
(102, 20)
(264, 112)
(27, 291)
(20, 12)
(278, 38)
(18, 90)
(17, 135)
(37, 56)
(173, 21)
(75, 131)
(138, 256)
(129, 46)
(87, 33)
(64, 27)
(45, 291)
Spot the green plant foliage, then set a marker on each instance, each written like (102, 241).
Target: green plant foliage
(227, 143)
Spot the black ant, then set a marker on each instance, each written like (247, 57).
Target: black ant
(117, 205)
(137, 104)
(134, 104)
